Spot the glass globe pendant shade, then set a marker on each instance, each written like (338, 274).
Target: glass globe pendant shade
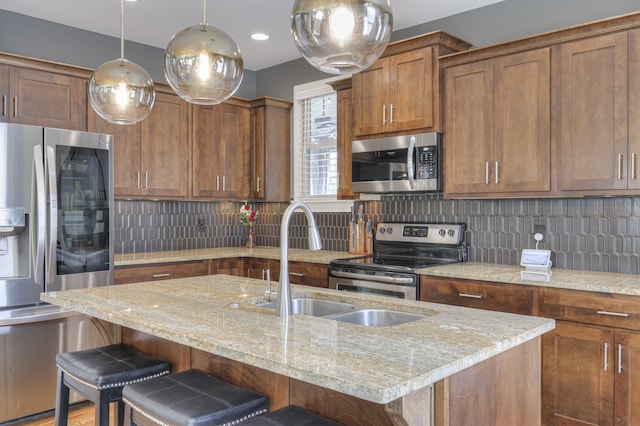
(203, 65)
(121, 92)
(341, 36)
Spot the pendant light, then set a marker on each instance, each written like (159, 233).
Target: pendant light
(121, 91)
(203, 64)
(341, 36)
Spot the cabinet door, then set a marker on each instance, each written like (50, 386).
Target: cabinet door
(592, 77)
(206, 156)
(468, 127)
(4, 93)
(411, 103)
(234, 145)
(312, 274)
(370, 99)
(633, 152)
(522, 122)
(228, 267)
(48, 99)
(345, 129)
(627, 394)
(578, 380)
(255, 267)
(126, 153)
(163, 271)
(165, 148)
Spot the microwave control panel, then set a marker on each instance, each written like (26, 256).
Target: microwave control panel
(427, 162)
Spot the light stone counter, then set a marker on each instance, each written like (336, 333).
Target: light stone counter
(603, 282)
(300, 255)
(379, 364)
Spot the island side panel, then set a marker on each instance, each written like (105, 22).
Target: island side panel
(177, 354)
(503, 390)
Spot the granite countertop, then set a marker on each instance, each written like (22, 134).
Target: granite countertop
(603, 282)
(300, 255)
(215, 313)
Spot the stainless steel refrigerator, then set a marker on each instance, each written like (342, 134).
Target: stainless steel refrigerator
(56, 231)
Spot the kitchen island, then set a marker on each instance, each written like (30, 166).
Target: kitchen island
(390, 367)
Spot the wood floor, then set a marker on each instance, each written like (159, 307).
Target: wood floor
(81, 415)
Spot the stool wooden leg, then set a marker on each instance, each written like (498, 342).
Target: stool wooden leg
(120, 413)
(102, 409)
(62, 401)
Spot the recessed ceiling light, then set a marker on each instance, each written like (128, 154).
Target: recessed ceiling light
(260, 36)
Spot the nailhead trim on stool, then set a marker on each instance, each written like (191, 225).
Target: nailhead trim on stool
(191, 398)
(291, 415)
(100, 374)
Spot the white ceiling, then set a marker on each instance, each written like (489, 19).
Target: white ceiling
(153, 22)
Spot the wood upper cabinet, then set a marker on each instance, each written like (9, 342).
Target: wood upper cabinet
(42, 98)
(270, 150)
(396, 94)
(344, 137)
(497, 130)
(151, 158)
(599, 92)
(221, 144)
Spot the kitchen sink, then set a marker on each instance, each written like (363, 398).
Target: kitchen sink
(376, 317)
(313, 307)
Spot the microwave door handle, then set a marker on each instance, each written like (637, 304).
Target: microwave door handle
(39, 215)
(53, 220)
(410, 164)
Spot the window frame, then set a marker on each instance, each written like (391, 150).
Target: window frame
(317, 204)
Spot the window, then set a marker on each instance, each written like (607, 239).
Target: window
(315, 152)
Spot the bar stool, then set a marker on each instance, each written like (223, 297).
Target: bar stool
(190, 398)
(100, 374)
(291, 415)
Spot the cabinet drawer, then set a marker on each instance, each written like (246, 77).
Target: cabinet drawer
(164, 271)
(482, 295)
(313, 274)
(592, 308)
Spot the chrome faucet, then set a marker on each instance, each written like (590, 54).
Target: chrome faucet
(283, 304)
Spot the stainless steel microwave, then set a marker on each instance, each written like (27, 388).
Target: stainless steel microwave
(397, 164)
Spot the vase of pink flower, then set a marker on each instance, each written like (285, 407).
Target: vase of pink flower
(248, 218)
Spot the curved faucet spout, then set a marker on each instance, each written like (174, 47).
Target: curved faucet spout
(283, 305)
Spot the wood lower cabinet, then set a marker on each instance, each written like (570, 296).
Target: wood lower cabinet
(162, 271)
(151, 158)
(42, 98)
(477, 294)
(303, 273)
(228, 267)
(221, 146)
(497, 134)
(270, 150)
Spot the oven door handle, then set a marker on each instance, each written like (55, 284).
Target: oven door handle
(375, 278)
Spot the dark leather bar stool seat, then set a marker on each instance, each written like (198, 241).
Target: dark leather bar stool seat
(100, 374)
(191, 398)
(291, 415)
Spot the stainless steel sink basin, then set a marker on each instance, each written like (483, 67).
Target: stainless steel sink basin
(313, 307)
(376, 317)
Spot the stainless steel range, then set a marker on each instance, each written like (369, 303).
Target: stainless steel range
(400, 250)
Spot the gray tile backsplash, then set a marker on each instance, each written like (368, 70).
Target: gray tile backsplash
(596, 234)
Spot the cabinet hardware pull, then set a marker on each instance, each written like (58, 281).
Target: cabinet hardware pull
(486, 173)
(15, 106)
(224, 183)
(391, 114)
(497, 172)
(471, 296)
(619, 166)
(296, 274)
(258, 183)
(606, 356)
(217, 183)
(146, 179)
(160, 275)
(138, 179)
(4, 105)
(384, 114)
(619, 359)
(613, 314)
(633, 165)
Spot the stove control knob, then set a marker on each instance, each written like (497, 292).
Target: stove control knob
(382, 230)
(442, 232)
(451, 233)
(389, 230)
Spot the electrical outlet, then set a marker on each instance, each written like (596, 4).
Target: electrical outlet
(201, 225)
(539, 229)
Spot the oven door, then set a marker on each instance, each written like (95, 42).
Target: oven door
(405, 287)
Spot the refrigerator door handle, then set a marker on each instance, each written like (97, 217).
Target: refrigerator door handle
(35, 314)
(39, 209)
(53, 212)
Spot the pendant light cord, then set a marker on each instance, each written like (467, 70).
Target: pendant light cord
(204, 12)
(121, 30)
